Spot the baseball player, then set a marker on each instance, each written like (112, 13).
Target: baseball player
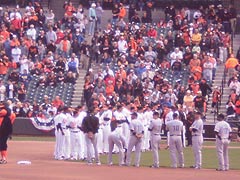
(120, 116)
(76, 143)
(197, 139)
(175, 128)
(99, 135)
(90, 126)
(223, 133)
(117, 138)
(147, 116)
(107, 117)
(155, 129)
(58, 135)
(66, 145)
(137, 132)
(169, 117)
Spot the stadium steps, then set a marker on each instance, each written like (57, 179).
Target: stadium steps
(217, 82)
(77, 94)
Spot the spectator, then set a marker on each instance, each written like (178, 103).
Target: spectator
(22, 91)
(230, 65)
(57, 102)
(92, 18)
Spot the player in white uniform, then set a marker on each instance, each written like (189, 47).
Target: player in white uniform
(197, 140)
(155, 129)
(99, 135)
(120, 116)
(66, 138)
(175, 128)
(76, 143)
(147, 116)
(116, 138)
(223, 133)
(137, 131)
(107, 117)
(83, 150)
(58, 135)
(169, 117)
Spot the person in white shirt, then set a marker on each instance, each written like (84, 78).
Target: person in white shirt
(32, 33)
(223, 133)
(176, 53)
(16, 54)
(122, 45)
(75, 138)
(235, 84)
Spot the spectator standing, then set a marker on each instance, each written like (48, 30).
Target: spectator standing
(99, 13)
(92, 19)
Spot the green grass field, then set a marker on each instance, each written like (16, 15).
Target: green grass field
(209, 158)
(209, 154)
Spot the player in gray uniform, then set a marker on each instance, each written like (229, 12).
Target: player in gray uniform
(223, 133)
(116, 138)
(175, 128)
(137, 132)
(155, 129)
(197, 140)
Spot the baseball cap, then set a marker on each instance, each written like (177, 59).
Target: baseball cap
(134, 114)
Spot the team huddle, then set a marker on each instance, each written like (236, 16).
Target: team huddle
(83, 135)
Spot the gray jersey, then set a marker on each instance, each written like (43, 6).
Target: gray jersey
(223, 129)
(175, 127)
(136, 126)
(156, 126)
(198, 125)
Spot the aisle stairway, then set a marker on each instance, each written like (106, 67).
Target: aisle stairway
(77, 97)
(218, 82)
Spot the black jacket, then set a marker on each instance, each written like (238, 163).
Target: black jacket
(90, 124)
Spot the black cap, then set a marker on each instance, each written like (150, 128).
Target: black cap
(155, 113)
(134, 114)
(198, 113)
(221, 117)
(175, 115)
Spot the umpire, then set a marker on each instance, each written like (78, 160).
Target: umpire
(6, 120)
(90, 126)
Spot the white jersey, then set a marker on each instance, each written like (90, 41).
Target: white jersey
(223, 129)
(119, 116)
(148, 116)
(175, 127)
(64, 120)
(74, 123)
(156, 126)
(106, 116)
(198, 125)
(136, 126)
(57, 119)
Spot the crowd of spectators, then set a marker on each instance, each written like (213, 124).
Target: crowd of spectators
(144, 63)
(34, 45)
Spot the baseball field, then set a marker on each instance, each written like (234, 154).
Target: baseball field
(39, 151)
